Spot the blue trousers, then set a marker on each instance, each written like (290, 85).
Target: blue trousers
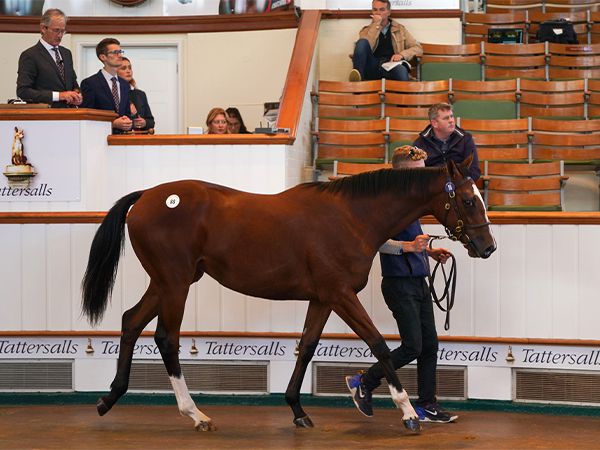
(410, 301)
(369, 66)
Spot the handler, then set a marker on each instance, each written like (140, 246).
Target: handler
(405, 267)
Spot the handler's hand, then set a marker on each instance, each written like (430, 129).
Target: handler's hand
(418, 245)
(397, 57)
(439, 254)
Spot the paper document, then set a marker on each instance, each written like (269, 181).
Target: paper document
(391, 64)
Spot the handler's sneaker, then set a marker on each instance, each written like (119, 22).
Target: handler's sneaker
(354, 75)
(432, 412)
(361, 396)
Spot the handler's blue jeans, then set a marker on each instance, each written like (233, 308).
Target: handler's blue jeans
(410, 301)
(369, 66)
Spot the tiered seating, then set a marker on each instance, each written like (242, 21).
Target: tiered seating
(477, 25)
(571, 5)
(349, 140)
(412, 99)
(499, 140)
(440, 62)
(579, 19)
(484, 99)
(334, 99)
(552, 98)
(576, 142)
(344, 169)
(524, 186)
(573, 61)
(514, 61)
(494, 6)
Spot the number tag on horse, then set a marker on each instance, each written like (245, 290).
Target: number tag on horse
(172, 201)
(449, 187)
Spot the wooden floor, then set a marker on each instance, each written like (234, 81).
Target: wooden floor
(270, 427)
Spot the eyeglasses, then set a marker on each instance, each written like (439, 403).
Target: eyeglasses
(56, 30)
(116, 52)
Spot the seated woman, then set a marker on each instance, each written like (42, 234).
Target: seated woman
(140, 109)
(235, 123)
(216, 121)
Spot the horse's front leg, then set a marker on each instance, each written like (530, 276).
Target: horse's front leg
(353, 313)
(167, 341)
(316, 317)
(133, 322)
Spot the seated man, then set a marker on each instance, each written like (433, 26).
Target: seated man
(106, 90)
(443, 140)
(383, 41)
(45, 73)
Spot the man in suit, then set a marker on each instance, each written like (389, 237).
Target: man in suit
(105, 89)
(45, 73)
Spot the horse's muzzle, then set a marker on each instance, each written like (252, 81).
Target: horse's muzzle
(474, 251)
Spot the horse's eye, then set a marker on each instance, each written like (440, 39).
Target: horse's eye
(470, 202)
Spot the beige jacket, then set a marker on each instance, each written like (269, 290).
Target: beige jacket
(403, 42)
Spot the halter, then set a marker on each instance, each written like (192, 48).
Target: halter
(455, 235)
(459, 229)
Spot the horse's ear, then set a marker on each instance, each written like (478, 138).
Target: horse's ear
(453, 169)
(467, 163)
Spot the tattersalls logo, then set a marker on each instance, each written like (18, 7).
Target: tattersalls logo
(20, 173)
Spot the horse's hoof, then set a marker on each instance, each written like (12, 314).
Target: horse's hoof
(101, 407)
(206, 426)
(303, 422)
(412, 424)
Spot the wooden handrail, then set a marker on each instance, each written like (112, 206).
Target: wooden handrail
(23, 113)
(497, 218)
(158, 24)
(298, 71)
(200, 139)
(202, 24)
(298, 335)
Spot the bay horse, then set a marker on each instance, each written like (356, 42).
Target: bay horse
(313, 242)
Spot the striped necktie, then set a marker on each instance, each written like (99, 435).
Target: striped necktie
(59, 63)
(115, 93)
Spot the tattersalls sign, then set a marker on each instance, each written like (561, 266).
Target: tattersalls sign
(285, 349)
(39, 162)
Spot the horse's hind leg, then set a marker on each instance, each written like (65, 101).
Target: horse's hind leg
(316, 317)
(353, 313)
(167, 340)
(133, 322)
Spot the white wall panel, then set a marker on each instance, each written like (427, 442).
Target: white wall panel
(565, 287)
(58, 270)
(538, 286)
(486, 291)
(33, 277)
(512, 260)
(588, 282)
(11, 286)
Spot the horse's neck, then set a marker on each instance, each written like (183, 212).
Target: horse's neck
(387, 214)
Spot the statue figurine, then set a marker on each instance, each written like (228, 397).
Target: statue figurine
(18, 150)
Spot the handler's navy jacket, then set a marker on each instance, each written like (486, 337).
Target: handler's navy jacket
(458, 147)
(409, 264)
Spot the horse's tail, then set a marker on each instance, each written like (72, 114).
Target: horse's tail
(104, 257)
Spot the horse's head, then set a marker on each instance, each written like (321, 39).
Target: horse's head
(463, 213)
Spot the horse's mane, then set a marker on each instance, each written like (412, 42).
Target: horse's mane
(402, 181)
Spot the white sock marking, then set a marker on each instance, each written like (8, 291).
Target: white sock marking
(402, 402)
(186, 405)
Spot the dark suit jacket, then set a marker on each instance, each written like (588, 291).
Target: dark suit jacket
(97, 94)
(38, 75)
(139, 99)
